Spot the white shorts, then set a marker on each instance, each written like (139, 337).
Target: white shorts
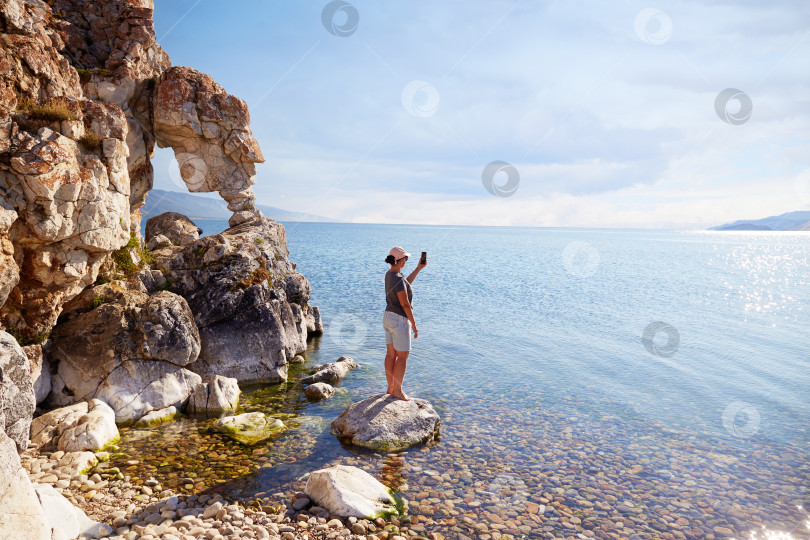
(397, 331)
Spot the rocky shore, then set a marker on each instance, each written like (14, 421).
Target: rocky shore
(129, 511)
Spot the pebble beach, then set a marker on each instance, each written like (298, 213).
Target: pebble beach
(530, 472)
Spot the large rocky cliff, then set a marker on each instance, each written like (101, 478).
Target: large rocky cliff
(89, 306)
(98, 309)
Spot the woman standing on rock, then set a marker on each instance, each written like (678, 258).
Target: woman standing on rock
(398, 319)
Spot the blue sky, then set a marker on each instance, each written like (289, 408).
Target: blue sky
(605, 111)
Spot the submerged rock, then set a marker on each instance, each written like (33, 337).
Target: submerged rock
(383, 422)
(319, 391)
(217, 396)
(351, 492)
(154, 418)
(249, 428)
(332, 373)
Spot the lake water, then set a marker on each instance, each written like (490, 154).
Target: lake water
(607, 383)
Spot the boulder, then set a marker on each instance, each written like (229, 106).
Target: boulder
(75, 463)
(177, 228)
(351, 492)
(40, 372)
(332, 373)
(319, 391)
(21, 515)
(249, 428)
(155, 418)
(218, 395)
(48, 428)
(235, 284)
(92, 431)
(16, 391)
(62, 519)
(385, 423)
(130, 351)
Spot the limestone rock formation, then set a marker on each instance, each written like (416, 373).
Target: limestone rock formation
(176, 228)
(319, 391)
(387, 424)
(16, 391)
(332, 373)
(236, 285)
(20, 513)
(351, 492)
(217, 396)
(9, 271)
(249, 428)
(71, 153)
(130, 352)
(209, 131)
(40, 372)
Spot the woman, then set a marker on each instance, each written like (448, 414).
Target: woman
(398, 320)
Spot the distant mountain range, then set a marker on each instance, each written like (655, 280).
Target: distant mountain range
(199, 207)
(792, 221)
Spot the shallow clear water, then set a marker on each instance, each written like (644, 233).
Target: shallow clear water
(532, 348)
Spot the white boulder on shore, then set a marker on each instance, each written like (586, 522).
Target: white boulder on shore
(65, 520)
(351, 492)
(21, 515)
(92, 431)
(385, 423)
(218, 395)
(89, 425)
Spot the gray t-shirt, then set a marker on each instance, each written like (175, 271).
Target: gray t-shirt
(395, 282)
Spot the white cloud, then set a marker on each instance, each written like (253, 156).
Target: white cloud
(605, 130)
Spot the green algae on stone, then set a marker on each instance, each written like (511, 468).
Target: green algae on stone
(158, 417)
(249, 428)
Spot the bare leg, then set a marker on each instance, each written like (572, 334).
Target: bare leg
(400, 364)
(390, 358)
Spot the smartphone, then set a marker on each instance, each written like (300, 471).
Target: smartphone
(423, 259)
